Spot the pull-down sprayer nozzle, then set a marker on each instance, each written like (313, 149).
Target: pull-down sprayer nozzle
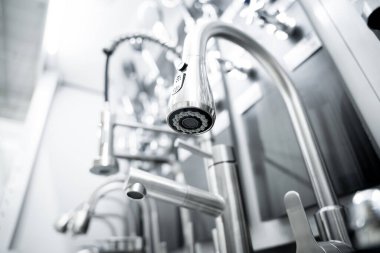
(191, 105)
(105, 163)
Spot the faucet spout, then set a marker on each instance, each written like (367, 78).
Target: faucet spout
(179, 194)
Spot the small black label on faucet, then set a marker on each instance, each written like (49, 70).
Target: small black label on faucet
(178, 82)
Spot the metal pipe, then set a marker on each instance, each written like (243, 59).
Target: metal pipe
(155, 225)
(147, 226)
(232, 229)
(184, 213)
(179, 194)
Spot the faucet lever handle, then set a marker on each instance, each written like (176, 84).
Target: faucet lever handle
(305, 240)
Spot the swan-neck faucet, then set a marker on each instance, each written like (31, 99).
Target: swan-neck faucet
(192, 111)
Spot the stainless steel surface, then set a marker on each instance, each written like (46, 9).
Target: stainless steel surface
(364, 216)
(105, 163)
(195, 47)
(147, 225)
(182, 195)
(236, 233)
(327, 218)
(136, 191)
(155, 224)
(191, 148)
(301, 228)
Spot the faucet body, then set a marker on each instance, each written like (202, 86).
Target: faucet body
(176, 193)
(330, 218)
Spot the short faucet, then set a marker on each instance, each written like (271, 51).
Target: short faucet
(167, 190)
(223, 202)
(192, 111)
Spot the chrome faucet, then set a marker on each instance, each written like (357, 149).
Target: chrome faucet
(192, 111)
(223, 202)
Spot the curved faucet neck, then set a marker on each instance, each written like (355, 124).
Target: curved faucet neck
(195, 48)
(104, 186)
(196, 45)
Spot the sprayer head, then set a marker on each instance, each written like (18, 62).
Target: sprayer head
(105, 163)
(191, 105)
(105, 166)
